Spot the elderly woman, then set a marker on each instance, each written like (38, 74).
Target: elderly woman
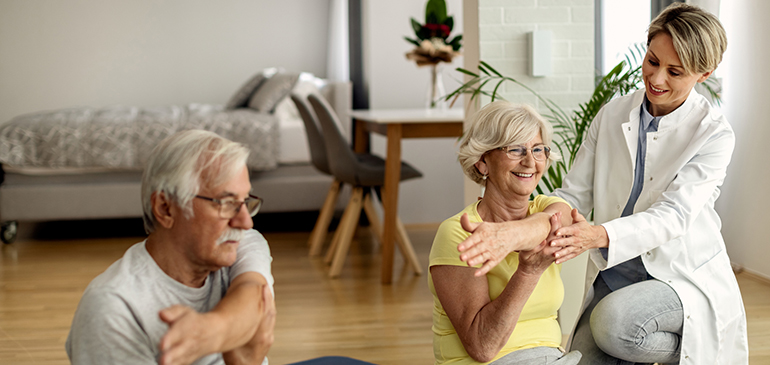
(659, 286)
(509, 315)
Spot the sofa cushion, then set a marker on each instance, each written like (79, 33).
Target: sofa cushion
(272, 91)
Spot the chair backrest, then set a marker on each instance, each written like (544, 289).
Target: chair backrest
(315, 138)
(342, 160)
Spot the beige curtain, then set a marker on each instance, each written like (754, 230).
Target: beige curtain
(337, 61)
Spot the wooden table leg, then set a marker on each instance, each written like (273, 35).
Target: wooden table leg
(361, 138)
(390, 200)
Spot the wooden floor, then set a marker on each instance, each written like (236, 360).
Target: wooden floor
(42, 279)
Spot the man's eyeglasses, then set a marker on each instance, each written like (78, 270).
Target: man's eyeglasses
(229, 207)
(539, 152)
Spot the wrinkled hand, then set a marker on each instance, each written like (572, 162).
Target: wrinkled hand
(254, 351)
(188, 337)
(577, 238)
(487, 244)
(537, 260)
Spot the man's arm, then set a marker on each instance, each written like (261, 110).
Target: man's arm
(254, 351)
(230, 325)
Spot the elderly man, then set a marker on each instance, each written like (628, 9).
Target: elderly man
(199, 288)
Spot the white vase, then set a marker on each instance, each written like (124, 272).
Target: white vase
(436, 91)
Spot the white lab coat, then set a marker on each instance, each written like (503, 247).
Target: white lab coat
(674, 227)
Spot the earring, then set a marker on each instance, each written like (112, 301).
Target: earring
(484, 177)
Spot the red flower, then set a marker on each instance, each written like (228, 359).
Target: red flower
(438, 30)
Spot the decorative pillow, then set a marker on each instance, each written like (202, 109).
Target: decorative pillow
(272, 91)
(243, 94)
(307, 84)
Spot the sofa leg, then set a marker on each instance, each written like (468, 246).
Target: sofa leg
(8, 231)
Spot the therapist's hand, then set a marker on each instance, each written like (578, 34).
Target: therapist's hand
(578, 237)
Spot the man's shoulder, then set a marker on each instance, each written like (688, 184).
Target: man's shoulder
(124, 272)
(253, 256)
(254, 240)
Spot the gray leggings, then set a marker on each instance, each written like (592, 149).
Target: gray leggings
(638, 324)
(539, 356)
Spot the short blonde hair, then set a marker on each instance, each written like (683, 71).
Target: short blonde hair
(698, 36)
(499, 124)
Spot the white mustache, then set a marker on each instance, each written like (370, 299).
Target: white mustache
(232, 234)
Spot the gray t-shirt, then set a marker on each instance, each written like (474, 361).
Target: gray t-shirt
(117, 319)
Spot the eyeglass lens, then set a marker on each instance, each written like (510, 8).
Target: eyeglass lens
(230, 208)
(539, 153)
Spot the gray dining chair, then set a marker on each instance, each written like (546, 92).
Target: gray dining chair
(364, 172)
(319, 159)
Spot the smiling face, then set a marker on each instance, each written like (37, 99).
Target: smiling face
(666, 82)
(512, 178)
(205, 234)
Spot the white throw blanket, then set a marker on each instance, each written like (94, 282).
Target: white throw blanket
(123, 137)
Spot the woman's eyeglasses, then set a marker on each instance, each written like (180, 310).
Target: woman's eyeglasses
(517, 152)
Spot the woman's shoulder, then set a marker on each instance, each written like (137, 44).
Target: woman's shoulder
(450, 233)
(541, 201)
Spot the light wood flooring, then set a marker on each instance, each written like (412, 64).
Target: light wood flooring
(42, 279)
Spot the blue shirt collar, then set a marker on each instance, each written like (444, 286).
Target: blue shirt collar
(646, 117)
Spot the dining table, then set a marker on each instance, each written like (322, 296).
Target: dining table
(396, 125)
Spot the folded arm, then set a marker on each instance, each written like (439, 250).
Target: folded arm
(484, 326)
(232, 324)
(490, 242)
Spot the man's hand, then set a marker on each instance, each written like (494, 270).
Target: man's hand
(188, 337)
(254, 351)
(231, 324)
(578, 238)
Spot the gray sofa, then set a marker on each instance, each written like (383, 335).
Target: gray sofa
(116, 194)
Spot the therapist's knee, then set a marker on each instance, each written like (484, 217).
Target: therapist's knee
(614, 326)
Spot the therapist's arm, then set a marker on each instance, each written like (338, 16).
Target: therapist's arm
(489, 243)
(695, 185)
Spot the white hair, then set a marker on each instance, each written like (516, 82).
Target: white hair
(185, 161)
(499, 124)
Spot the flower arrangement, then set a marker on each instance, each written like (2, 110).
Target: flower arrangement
(432, 38)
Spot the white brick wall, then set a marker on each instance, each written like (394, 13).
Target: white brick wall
(503, 28)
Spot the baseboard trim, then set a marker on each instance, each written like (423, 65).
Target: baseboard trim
(740, 269)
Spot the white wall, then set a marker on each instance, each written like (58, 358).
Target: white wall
(395, 82)
(745, 95)
(65, 53)
(503, 28)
